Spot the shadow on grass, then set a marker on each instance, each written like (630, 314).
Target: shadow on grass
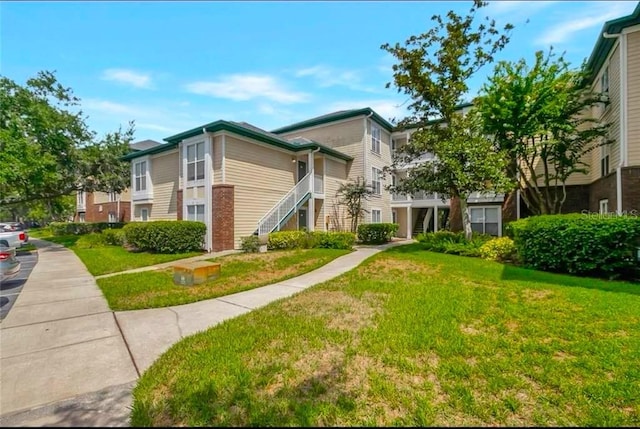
(511, 272)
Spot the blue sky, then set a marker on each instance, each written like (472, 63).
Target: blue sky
(172, 66)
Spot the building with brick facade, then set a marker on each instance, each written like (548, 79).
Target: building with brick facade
(108, 206)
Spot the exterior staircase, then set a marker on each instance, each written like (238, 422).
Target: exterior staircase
(280, 214)
(423, 218)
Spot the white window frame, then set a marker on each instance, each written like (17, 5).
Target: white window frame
(113, 218)
(114, 197)
(196, 162)
(373, 215)
(81, 198)
(604, 206)
(484, 217)
(196, 208)
(376, 139)
(376, 180)
(144, 213)
(81, 217)
(141, 175)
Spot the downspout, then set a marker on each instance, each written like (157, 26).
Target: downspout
(311, 214)
(622, 38)
(365, 153)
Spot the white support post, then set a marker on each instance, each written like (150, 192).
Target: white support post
(435, 219)
(409, 223)
(311, 212)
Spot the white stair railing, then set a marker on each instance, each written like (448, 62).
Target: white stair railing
(286, 205)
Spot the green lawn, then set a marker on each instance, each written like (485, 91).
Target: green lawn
(113, 259)
(412, 338)
(152, 289)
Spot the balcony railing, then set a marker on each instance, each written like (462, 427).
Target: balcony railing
(418, 196)
(318, 184)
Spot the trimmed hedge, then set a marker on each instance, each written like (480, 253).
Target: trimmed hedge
(308, 240)
(81, 228)
(499, 249)
(166, 236)
(376, 233)
(579, 244)
(250, 244)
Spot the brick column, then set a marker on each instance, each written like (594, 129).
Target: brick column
(630, 190)
(179, 204)
(223, 217)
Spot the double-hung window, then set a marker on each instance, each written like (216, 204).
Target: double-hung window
(376, 216)
(195, 212)
(140, 176)
(376, 139)
(485, 220)
(376, 185)
(604, 81)
(113, 197)
(604, 206)
(195, 162)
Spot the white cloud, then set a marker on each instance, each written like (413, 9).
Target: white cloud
(388, 109)
(326, 76)
(501, 8)
(593, 14)
(110, 108)
(130, 77)
(242, 87)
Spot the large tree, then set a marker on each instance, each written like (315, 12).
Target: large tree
(433, 69)
(541, 117)
(46, 148)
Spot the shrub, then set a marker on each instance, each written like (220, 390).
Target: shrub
(453, 243)
(287, 240)
(376, 233)
(250, 244)
(498, 249)
(333, 240)
(166, 236)
(579, 244)
(81, 228)
(92, 240)
(113, 237)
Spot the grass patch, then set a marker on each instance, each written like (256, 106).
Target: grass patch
(412, 338)
(152, 289)
(113, 259)
(27, 247)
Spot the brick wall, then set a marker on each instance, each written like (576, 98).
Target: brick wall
(223, 217)
(179, 204)
(603, 188)
(630, 190)
(93, 213)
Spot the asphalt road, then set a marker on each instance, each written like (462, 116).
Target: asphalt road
(9, 290)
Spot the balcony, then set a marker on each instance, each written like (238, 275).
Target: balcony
(419, 199)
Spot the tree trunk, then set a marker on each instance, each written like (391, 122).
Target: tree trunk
(466, 221)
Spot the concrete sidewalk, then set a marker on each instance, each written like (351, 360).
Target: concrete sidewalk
(69, 361)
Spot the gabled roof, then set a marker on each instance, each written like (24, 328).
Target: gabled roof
(333, 117)
(244, 129)
(144, 144)
(604, 45)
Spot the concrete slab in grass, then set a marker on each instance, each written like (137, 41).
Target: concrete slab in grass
(149, 333)
(261, 296)
(43, 377)
(202, 315)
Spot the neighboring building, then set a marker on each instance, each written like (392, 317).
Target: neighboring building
(108, 207)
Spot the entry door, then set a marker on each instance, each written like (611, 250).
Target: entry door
(302, 219)
(302, 169)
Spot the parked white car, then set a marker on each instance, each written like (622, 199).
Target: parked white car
(14, 238)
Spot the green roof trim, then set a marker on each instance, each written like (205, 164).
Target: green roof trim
(264, 137)
(604, 45)
(333, 117)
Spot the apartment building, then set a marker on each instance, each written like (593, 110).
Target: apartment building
(108, 206)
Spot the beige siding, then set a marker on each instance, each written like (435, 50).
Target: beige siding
(345, 137)
(633, 98)
(100, 197)
(382, 202)
(261, 177)
(125, 195)
(217, 160)
(335, 175)
(164, 177)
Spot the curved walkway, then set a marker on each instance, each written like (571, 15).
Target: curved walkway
(67, 360)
